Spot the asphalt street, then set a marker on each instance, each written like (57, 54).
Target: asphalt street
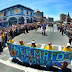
(52, 34)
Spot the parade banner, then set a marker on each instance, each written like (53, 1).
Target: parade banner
(39, 56)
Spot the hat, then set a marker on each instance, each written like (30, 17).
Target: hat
(21, 41)
(49, 43)
(33, 41)
(68, 44)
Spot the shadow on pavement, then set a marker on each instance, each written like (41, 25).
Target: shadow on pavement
(1, 51)
(35, 66)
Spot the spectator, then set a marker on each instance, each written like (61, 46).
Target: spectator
(3, 40)
(11, 40)
(16, 31)
(0, 44)
(70, 39)
(23, 29)
(21, 42)
(6, 38)
(33, 44)
(11, 33)
(49, 47)
(67, 48)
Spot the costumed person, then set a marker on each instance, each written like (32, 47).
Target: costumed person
(21, 42)
(49, 47)
(43, 28)
(11, 40)
(67, 48)
(33, 44)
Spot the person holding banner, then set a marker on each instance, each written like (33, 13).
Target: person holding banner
(11, 40)
(33, 44)
(49, 47)
(67, 48)
(21, 42)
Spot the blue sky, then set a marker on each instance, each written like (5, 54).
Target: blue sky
(51, 8)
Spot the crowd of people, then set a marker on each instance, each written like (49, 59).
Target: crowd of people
(65, 29)
(7, 34)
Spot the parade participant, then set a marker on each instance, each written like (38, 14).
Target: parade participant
(49, 47)
(43, 28)
(21, 42)
(67, 48)
(33, 44)
(62, 30)
(11, 40)
(70, 39)
(27, 29)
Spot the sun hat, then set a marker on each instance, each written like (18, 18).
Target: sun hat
(49, 43)
(68, 44)
(33, 41)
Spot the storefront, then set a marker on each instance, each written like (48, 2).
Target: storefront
(21, 20)
(12, 21)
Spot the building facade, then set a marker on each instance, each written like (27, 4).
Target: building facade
(50, 19)
(37, 16)
(62, 17)
(17, 14)
(68, 19)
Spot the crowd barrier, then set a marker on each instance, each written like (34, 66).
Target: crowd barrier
(39, 56)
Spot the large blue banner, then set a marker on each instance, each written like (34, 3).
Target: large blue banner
(39, 56)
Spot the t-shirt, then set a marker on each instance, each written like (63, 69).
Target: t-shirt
(49, 47)
(11, 41)
(66, 49)
(23, 44)
(33, 46)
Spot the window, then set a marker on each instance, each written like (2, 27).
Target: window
(27, 12)
(5, 13)
(31, 13)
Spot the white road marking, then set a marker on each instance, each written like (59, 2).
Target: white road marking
(31, 70)
(60, 49)
(2, 56)
(25, 69)
(8, 63)
(47, 71)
